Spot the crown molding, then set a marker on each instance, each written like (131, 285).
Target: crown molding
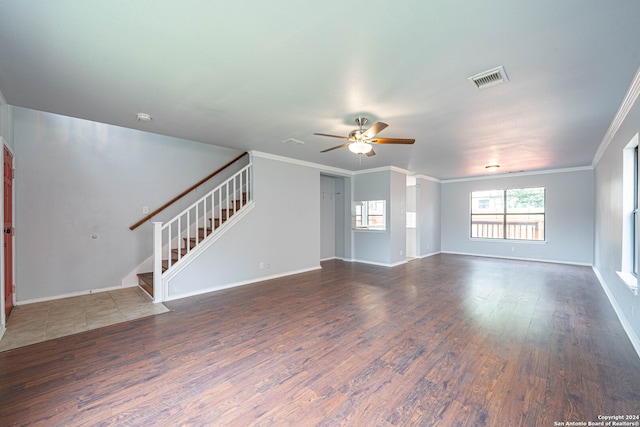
(514, 174)
(322, 168)
(325, 168)
(428, 178)
(382, 169)
(628, 101)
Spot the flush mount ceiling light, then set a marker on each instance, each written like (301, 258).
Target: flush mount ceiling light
(143, 117)
(360, 147)
(492, 168)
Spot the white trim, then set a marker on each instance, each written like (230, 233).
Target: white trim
(630, 281)
(323, 168)
(241, 283)
(2, 331)
(3, 100)
(381, 264)
(428, 178)
(382, 169)
(504, 240)
(512, 174)
(584, 264)
(428, 255)
(73, 294)
(635, 341)
(619, 118)
(328, 259)
(193, 254)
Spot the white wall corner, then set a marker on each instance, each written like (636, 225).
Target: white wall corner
(633, 337)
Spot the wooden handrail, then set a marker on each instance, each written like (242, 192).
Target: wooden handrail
(185, 192)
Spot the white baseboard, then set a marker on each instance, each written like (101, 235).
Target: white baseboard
(241, 283)
(381, 264)
(584, 264)
(428, 255)
(635, 341)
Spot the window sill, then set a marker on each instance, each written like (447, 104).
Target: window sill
(510, 241)
(630, 281)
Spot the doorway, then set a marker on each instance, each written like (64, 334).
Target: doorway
(7, 231)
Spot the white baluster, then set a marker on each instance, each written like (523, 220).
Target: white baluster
(157, 262)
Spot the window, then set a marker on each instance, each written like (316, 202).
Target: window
(629, 268)
(371, 215)
(634, 221)
(630, 208)
(516, 214)
(411, 220)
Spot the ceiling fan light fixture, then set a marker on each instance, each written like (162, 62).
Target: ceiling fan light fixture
(360, 147)
(492, 168)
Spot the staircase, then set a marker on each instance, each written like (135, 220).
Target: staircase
(195, 226)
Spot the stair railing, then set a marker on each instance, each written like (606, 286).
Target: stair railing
(174, 240)
(185, 192)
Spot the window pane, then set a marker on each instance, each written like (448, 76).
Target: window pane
(525, 200)
(487, 226)
(525, 227)
(411, 219)
(370, 215)
(487, 202)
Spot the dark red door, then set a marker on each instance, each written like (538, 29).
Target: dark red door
(8, 232)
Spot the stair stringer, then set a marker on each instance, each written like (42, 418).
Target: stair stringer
(203, 246)
(131, 279)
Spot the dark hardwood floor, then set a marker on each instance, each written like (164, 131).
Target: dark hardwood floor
(447, 340)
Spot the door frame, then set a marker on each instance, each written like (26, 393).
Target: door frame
(3, 320)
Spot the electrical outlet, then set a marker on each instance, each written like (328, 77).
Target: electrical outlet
(401, 252)
(513, 248)
(261, 265)
(145, 209)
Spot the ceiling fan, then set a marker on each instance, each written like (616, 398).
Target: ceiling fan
(361, 140)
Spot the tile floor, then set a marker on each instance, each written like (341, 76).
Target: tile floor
(32, 323)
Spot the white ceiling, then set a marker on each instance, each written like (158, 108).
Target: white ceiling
(250, 74)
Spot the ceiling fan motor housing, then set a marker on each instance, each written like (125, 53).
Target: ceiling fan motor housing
(355, 134)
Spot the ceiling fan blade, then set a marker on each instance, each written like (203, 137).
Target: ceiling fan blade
(392, 141)
(374, 130)
(331, 136)
(371, 153)
(336, 147)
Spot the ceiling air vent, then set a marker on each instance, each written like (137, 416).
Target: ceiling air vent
(489, 78)
(292, 141)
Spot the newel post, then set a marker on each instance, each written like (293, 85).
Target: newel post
(158, 287)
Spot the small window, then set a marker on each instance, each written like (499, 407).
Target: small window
(411, 219)
(516, 214)
(370, 215)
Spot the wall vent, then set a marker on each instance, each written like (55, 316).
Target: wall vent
(489, 78)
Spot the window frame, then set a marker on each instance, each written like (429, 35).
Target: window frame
(505, 214)
(362, 210)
